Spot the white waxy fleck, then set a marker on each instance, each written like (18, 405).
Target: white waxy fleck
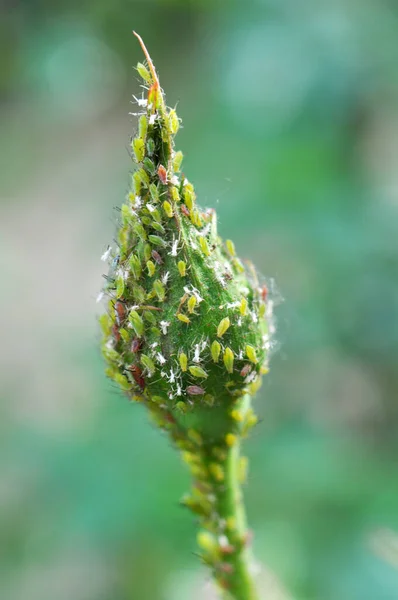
(233, 304)
(141, 101)
(163, 326)
(150, 207)
(240, 356)
(196, 356)
(174, 248)
(179, 391)
(165, 278)
(154, 344)
(137, 203)
(152, 119)
(161, 359)
(106, 254)
(254, 317)
(239, 322)
(223, 541)
(175, 181)
(251, 377)
(172, 376)
(99, 297)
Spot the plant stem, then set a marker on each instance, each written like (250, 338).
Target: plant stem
(231, 509)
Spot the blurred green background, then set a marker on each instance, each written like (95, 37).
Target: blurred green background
(290, 112)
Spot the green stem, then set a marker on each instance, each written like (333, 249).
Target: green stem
(231, 509)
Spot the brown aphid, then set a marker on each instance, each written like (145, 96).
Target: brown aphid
(225, 568)
(135, 345)
(185, 210)
(116, 334)
(264, 293)
(162, 173)
(120, 312)
(169, 418)
(137, 374)
(227, 549)
(195, 390)
(246, 370)
(156, 257)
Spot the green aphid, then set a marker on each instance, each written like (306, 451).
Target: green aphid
(230, 247)
(119, 286)
(151, 268)
(215, 351)
(137, 322)
(183, 361)
(143, 126)
(156, 216)
(135, 265)
(168, 209)
(146, 220)
(156, 240)
(122, 381)
(228, 359)
(150, 147)
(142, 175)
(198, 372)
(144, 73)
(139, 294)
(223, 326)
(147, 252)
(150, 317)
(110, 355)
(156, 331)
(174, 122)
(204, 246)
(177, 161)
(124, 334)
(174, 194)
(191, 304)
(106, 324)
(139, 230)
(125, 212)
(148, 364)
(182, 268)
(251, 354)
(159, 290)
(149, 166)
(189, 195)
(157, 227)
(153, 190)
(138, 146)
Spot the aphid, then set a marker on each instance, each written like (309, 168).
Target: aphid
(156, 257)
(143, 71)
(159, 289)
(137, 374)
(195, 390)
(198, 372)
(183, 361)
(142, 126)
(177, 160)
(228, 359)
(137, 322)
(243, 307)
(148, 364)
(120, 312)
(116, 333)
(230, 247)
(153, 190)
(185, 210)
(223, 326)
(204, 246)
(251, 354)
(215, 351)
(138, 146)
(191, 304)
(264, 293)
(151, 268)
(174, 122)
(182, 268)
(183, 318)
(156, 240)
(230, 439)
(246, 370)
(162, 174)
(135, 345)
(168, 209)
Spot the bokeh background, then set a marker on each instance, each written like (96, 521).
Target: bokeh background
(290, 112)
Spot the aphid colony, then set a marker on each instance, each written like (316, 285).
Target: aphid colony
(187, 326)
